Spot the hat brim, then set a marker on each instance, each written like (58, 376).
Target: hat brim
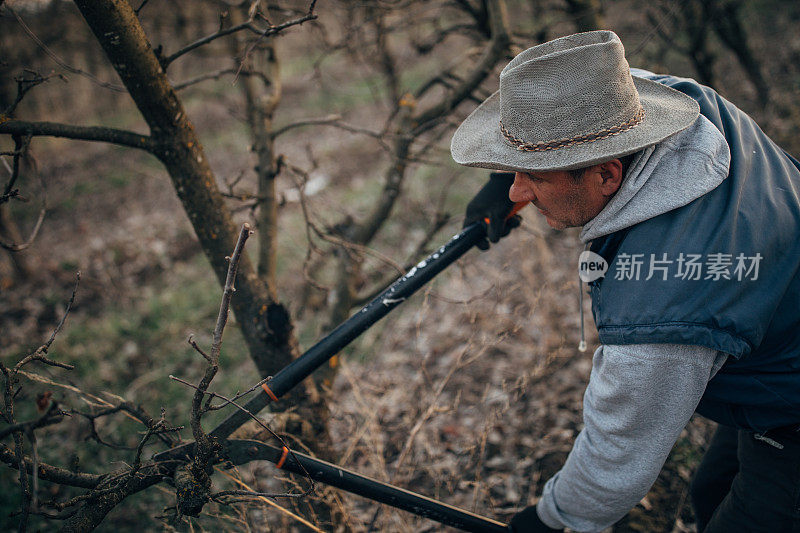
(478, 141)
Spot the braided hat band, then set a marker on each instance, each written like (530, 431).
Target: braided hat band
(567, 104)
(572, 141)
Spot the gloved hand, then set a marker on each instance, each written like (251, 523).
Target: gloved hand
(492, 202)
(528, 521)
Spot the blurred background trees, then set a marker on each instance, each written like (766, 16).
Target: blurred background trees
(327, 128)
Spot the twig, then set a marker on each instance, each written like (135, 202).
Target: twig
(66, 312)
(218, 74)
(60, 62)
(247, 25)
(35, 465)
(141, 6)
(254, 494)
(132, 411)
(378, 136)
(344, 243)
(40, 353)
(157, 427)
(241, 395)
(23, 86)
(275, 505)
(18, 247)
(228, 401)
(329, 120)
(260, 423)
(205, 446)
(91, 399)
(439, 222)
(272, 30)
(20, 146)
(656, 28)
(222, 317)
(498, 45)
(203, 77)
(197, 348)
(165, 62)
(95, 435)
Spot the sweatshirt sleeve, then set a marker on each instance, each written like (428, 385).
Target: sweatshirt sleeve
(637, 402)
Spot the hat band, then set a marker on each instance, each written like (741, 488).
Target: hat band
(571, 141)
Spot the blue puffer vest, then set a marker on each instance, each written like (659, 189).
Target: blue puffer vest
(724, 272)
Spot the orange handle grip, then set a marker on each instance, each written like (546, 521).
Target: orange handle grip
(514, 210)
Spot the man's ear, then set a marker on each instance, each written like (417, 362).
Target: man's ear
(610, 174)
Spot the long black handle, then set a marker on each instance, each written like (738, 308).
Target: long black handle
(242, 451)
(345, 333)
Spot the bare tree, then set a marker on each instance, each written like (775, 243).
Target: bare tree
(416, 117)
(264, 321)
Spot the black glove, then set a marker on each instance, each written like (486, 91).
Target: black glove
(492, 202)
(528, 521)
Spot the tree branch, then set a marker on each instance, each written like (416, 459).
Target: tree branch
(55, 474)
(165, 61)
(233, 402)
(272, 30)
(53, 415)
(82, 133)
(202, 439)
(23, 86)
(329, 120)
(497, 49)
(248, 25)
(18, 247)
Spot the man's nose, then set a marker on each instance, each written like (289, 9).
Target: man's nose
(519, 191)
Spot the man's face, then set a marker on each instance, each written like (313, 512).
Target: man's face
(564, 201)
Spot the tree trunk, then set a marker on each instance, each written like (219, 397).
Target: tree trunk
(265, 323)
(262, 96)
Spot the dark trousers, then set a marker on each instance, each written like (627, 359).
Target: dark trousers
(746, 484)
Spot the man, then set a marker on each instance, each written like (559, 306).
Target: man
(697, 216)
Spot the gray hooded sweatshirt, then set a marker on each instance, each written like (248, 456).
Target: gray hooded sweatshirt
(640, 396)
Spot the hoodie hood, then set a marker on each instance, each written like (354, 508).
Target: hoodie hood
(665, 176)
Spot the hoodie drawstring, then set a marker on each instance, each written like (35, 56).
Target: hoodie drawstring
(582, 344)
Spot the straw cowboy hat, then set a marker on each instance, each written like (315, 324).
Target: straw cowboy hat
(566, 104)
